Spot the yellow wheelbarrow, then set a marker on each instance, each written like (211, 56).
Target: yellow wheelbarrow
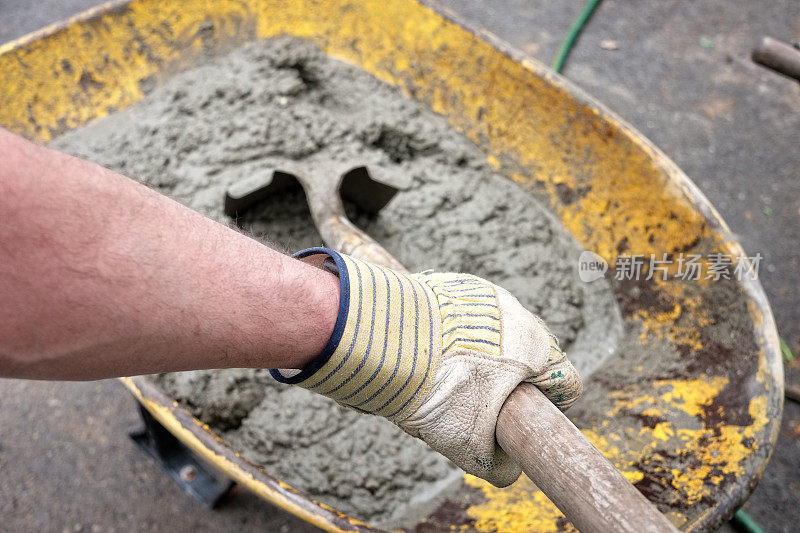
(692, 426)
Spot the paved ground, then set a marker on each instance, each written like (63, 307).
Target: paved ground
(681, 75)
(66, 464)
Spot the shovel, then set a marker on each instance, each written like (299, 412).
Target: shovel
(554, 454)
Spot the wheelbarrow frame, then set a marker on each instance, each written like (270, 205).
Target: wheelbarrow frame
(609, 186)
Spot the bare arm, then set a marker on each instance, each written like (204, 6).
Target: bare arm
(101, 277)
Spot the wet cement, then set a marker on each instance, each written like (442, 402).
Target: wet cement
(262, 105)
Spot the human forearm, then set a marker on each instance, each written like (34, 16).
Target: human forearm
(102, 277)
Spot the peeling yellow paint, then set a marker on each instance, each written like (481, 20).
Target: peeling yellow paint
(692, 309)
(662, 431)
(719, 450)
(691, 395)
(520, 507)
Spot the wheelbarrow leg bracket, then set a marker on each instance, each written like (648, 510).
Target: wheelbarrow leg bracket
(193, 476)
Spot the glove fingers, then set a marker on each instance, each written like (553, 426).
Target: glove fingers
(559, 380)
(459, 422)
(527, 339)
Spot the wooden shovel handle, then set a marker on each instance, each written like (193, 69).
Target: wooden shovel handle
(577, 478)
(562, 462)
(778, 56)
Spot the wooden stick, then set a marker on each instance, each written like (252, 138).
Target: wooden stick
(792, 392)
(778, 56)
(562, 462)
(576, 477)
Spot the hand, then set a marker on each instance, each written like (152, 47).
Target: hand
(438, 354)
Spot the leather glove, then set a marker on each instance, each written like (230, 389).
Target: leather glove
(437, 354)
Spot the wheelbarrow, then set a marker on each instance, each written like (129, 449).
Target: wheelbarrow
(691, 426)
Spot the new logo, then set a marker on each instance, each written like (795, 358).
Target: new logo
(591, 266)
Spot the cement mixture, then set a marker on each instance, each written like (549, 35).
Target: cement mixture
(283, 99)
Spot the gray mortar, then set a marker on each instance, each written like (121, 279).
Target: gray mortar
(283, 99)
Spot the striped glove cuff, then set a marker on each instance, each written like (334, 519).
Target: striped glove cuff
(385, 348)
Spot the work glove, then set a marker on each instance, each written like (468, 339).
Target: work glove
(437, 354)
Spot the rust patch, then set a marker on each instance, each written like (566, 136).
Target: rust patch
(730, 406)
(567, 195)
(87, 81)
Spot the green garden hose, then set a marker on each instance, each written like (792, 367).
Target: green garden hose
(572, 35)
(744, 522)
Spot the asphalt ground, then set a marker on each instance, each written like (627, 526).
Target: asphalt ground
(680, 74)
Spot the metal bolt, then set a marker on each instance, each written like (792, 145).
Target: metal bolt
(188, 473)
